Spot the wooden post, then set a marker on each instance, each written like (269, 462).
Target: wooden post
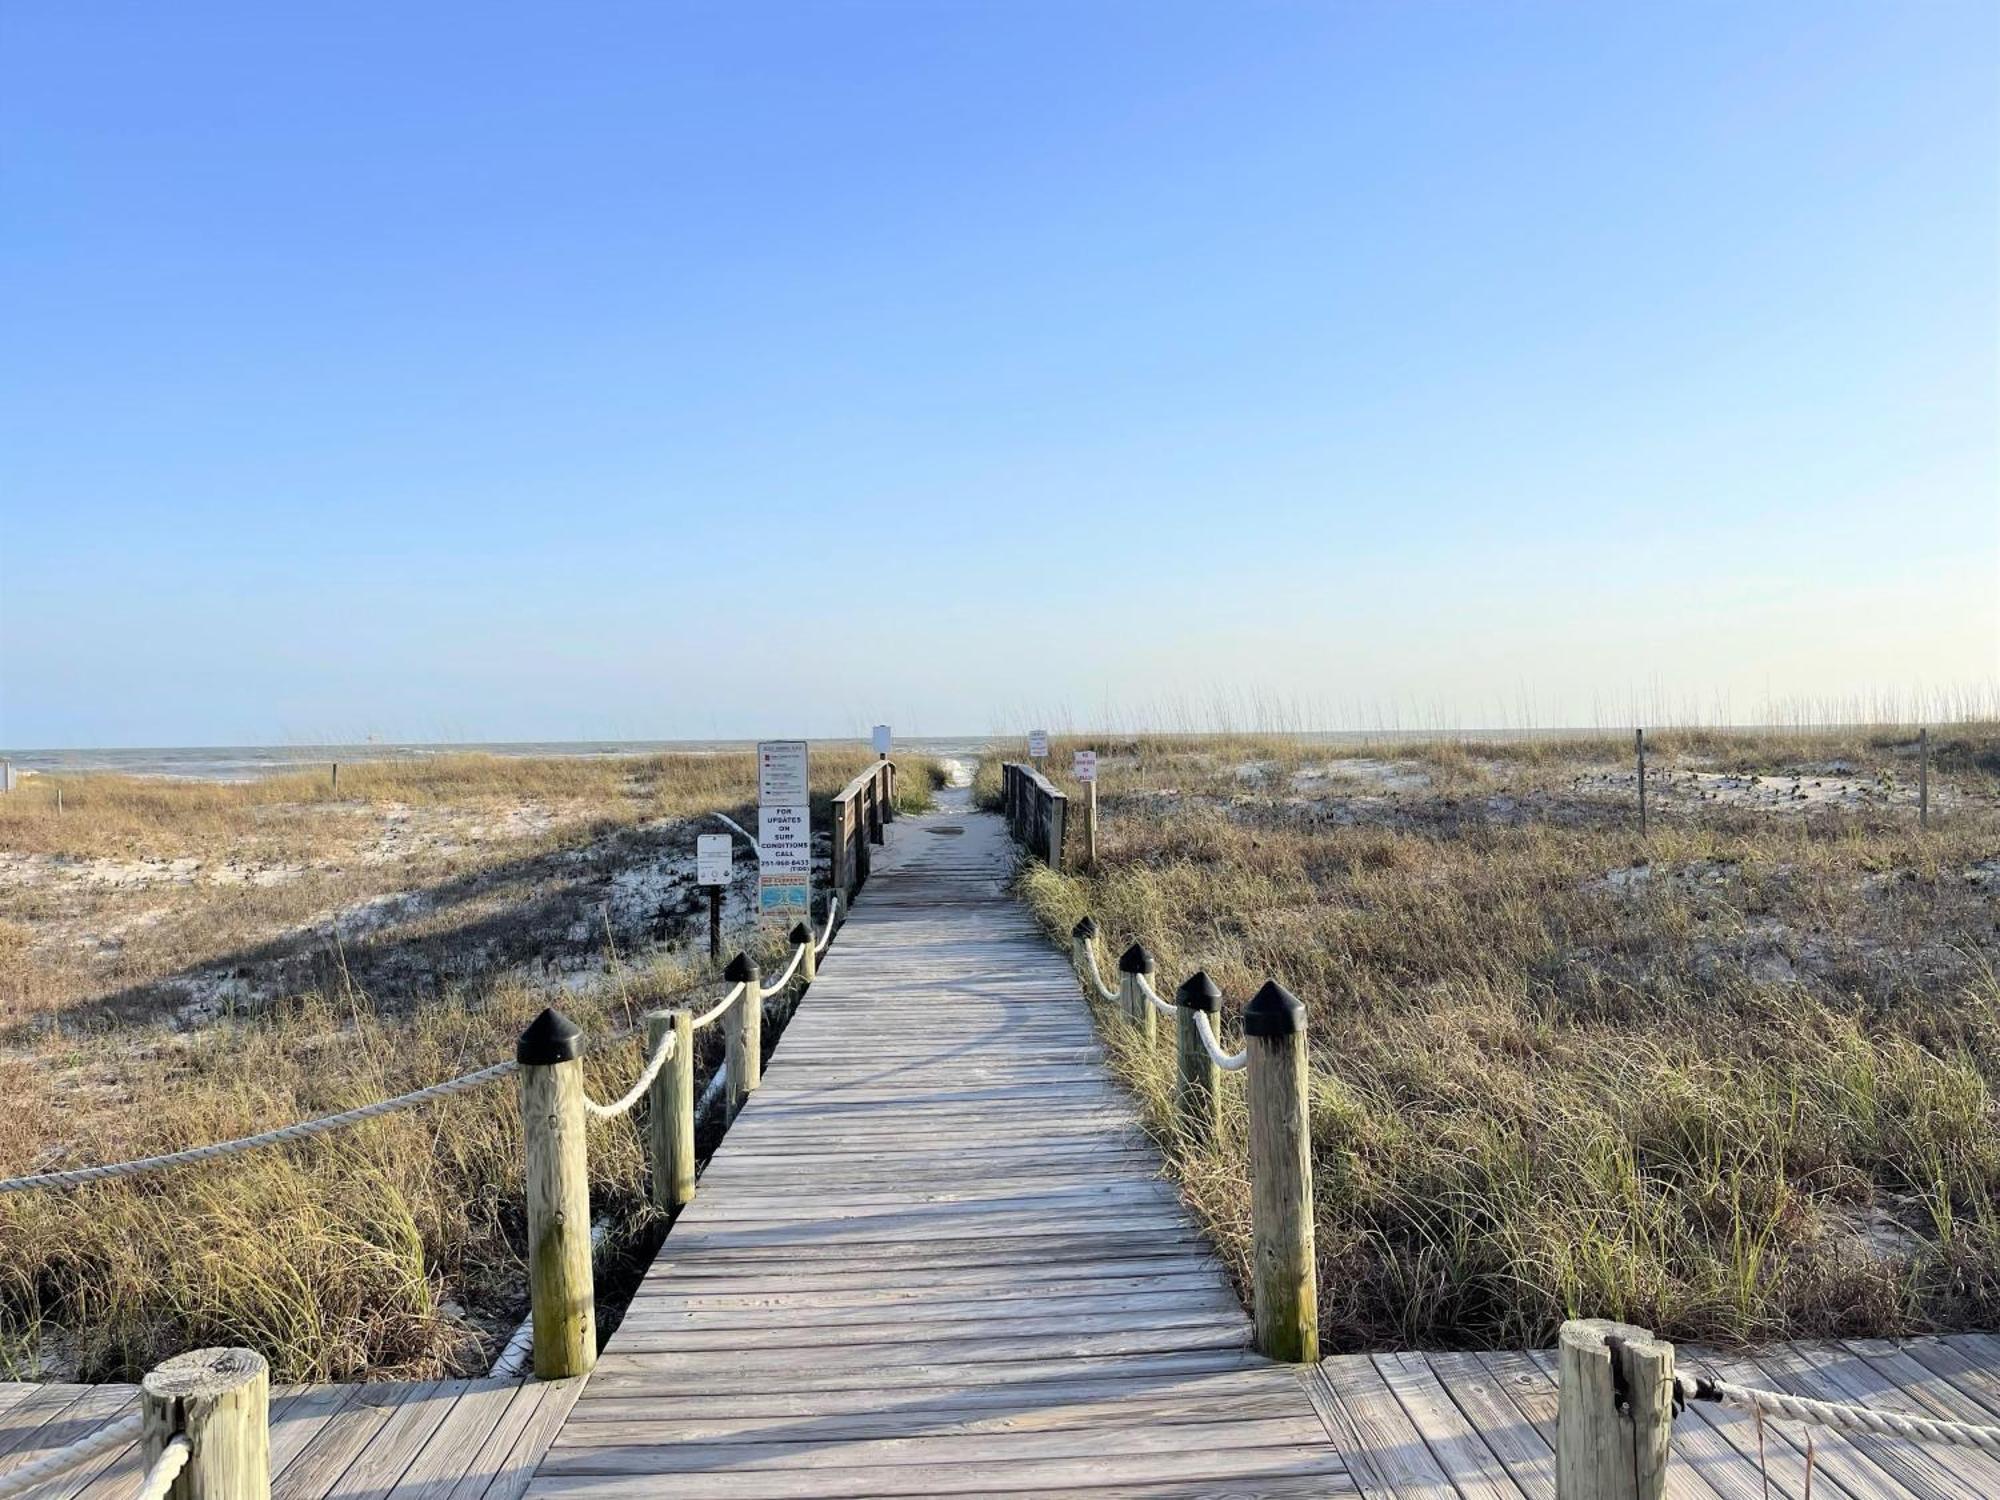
(220, 1399)
(1923, 778)
(839, 853)
(1639, 745)
(336, 778)
(559, 1272)
(1285, 1295)
(875, 810)
(1058, 816)
(1081, 937)
(715, 921)
(802, 935)
(1090, 826)
(1197, 1080)
(1603, 1452)
(743, 1034)
(670, 1110)
(1133, 962)
(888, 774)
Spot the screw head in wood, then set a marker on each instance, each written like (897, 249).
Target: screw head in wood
(1274, 1011)
(551, 1037)
(1199, 992)
(1135, 960)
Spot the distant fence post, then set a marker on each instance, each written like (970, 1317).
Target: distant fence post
(1058, 817)
(335, 785)
(559, 1271)
(743, 1034)
(1639, 748)
(1090, 825)
(841, 834)
(220, 1401)
(875, 809)
(1608, 1449)
(888, 790)
(1285, 1296)
(670, 1110)
(1133, 962)
(1923, 778)
(1197, 1080)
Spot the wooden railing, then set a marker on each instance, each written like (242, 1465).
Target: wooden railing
(1036, 812)
(860, 810)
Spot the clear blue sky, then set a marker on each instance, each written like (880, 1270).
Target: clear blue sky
(547, 371)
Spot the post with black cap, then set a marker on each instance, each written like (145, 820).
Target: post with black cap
(670, 1110)
(559, 1276)
(1197, 1080)
(743, 1034)
(1081, 937)
(802, 935)
(1133, 962)
(1284, 1296)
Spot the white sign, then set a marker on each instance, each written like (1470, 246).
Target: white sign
(784, 840)
(781, 773)
(1038, 744)
(881, 739)
(784, 830)
(713, 854)
(1084, 767)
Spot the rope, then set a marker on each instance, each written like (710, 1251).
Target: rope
(1229, 1062)
(1146, 989)
(768, 990)
(1838, 1415)
(652, 1070)
(301, 1131)
(720, 1006)
(826, 937)
(115, 1435)
(166, 1469)
(1089, 956)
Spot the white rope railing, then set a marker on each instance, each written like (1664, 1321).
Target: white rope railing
(718, 1008)
(768, 990)
(1088, 951)
(305, 1129)
(61, 1460)
(1838, 1415)
(638, 1090)
(1229, 1062)
(1146, 989)
(166, 1469)
(832, 914)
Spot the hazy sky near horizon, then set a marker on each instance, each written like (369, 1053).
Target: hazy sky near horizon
(521, 371)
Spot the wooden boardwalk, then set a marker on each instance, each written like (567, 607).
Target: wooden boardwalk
(427, 1440)
(935, 1256)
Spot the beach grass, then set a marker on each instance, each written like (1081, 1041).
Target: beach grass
(1734, 1082)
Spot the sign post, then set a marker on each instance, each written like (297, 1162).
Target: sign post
(784, 832)
(713, 856)
(880, 739)
(1084, 768)
(1038, 746)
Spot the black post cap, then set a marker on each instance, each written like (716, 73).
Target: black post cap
(1274, 1011)
(800, 933)
(1135, 960)
(1085, 929)
(551, 1037)
(740, 969)
(1199, 992)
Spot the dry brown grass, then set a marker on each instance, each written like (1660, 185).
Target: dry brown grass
(1737, 1082)
(392, 1249)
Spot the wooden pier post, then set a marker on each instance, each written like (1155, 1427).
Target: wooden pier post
(1639, 747)
(1197, 1080)
(1081, 937)
(1604, 1452)
(1284, 1292)
(1133, 962)
(1058, 816)
(558, 1181)
(220, 1400)
(1090, 826)
(802, 935)
(670, 1110)
(743, 1034)
(1923, 778)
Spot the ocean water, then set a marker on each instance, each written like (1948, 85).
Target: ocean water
(247, 762)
